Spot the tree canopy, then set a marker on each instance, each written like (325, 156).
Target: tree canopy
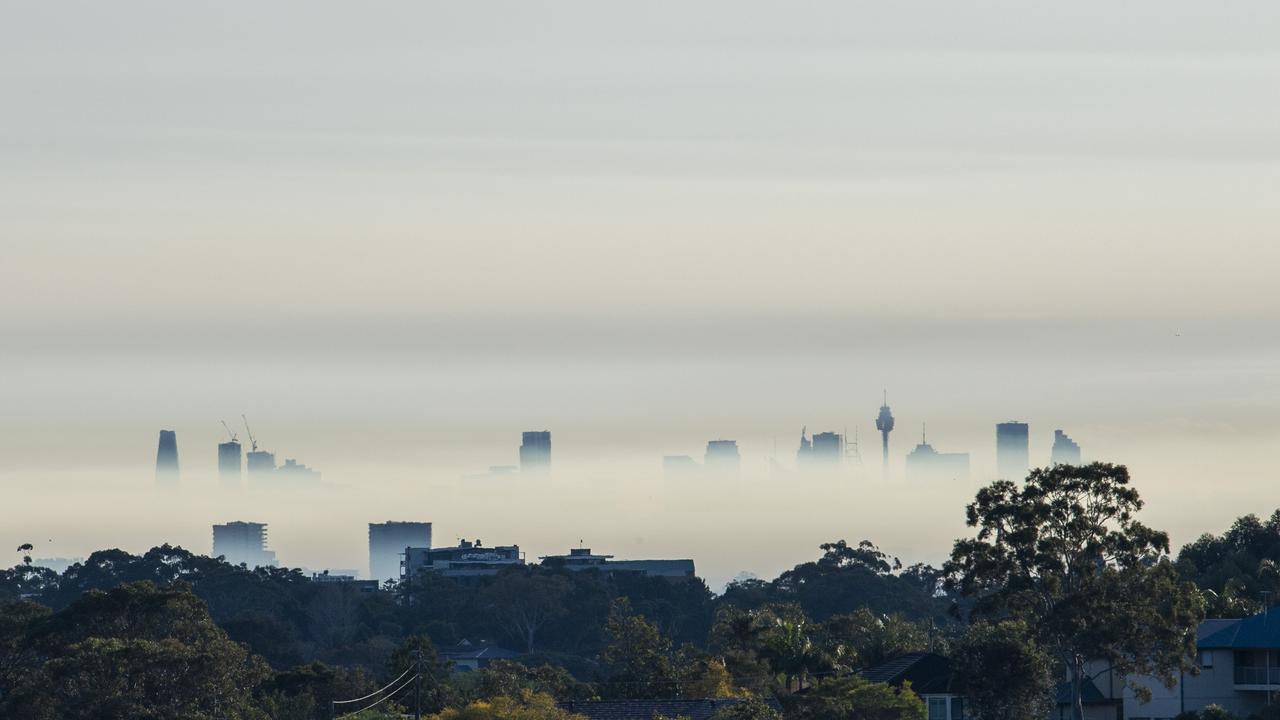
(1064, 553)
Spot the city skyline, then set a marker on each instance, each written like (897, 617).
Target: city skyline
(395, 245)
(756, 470)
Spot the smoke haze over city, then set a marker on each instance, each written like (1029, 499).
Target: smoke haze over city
(397, 241)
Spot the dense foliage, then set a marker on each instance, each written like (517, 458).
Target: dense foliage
(1064, 553)
(1059, 570)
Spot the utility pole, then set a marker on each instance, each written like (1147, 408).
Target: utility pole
(417, 685)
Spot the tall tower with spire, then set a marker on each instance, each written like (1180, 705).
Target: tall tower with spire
(884, 423)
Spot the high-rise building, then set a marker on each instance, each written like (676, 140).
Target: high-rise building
(825, 450)
(678, 467)
(229, 463)
(884, 423)
(924, 463)
(294, 470)
(387, 542)
(1013, 458)
(1065, 450)
(243, 543)
(259, 464)
(722, 456)
(535, 451)
(167, 458)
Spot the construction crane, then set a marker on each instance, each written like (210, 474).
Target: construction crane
(229, 431)
(252, 442)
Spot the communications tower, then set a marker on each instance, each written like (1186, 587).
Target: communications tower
(884, 423)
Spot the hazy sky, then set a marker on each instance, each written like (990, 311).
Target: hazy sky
(397, 234)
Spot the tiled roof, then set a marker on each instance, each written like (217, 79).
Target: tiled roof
(928, 673)
(648, 709)
(1254, 632)
(1213, 625)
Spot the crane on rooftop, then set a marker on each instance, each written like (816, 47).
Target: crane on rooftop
(229, 431)
(252, 441)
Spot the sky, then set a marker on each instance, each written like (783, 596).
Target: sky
(395, 235)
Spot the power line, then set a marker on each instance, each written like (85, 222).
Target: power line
(375, 692)
(376, 703)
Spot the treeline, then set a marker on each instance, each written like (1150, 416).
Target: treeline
(171, 634)
(1058, 573)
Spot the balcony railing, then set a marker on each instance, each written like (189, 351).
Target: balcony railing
(1257, 675)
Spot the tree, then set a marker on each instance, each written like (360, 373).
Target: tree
(136, 651)
(18, 658)
(865, 639)
(637, 656)
(790, 647)
(1005, 674)
(753, 709)
(846, 578)
(701, 675)
(853, 698)
(437, 692)
(738, 635)
(508, 678)
(524, 602)
(1064, 554)
(840, 554)
(528, 706)
(1236, 568)
(306, 692)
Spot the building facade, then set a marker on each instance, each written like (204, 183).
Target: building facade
(1065, 450)
(167, 458)
(927, 464)
(229, 467)
(387, 543)
(243, 543)
(722, 457)
(535, 451)
(468, 559)
(259, 464)
(1013, 456)
(579, 559)
(1239, 669)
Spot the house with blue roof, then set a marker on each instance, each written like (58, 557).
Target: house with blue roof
(1239, 669)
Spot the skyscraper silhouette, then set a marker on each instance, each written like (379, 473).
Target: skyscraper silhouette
(243, 543)
(535, 451)
(167, 458)
(884, 423)
(1013, 458)
(229, 464)
(722, 457)
(387, 542)
(824, 451)
(1065, 450)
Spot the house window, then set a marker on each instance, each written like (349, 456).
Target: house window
(1206, 658)
(957, 708)
(937, 708)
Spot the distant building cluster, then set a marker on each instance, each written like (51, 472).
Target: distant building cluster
(400, 549)
(403, 550)
(823, 452)
(260, 465)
